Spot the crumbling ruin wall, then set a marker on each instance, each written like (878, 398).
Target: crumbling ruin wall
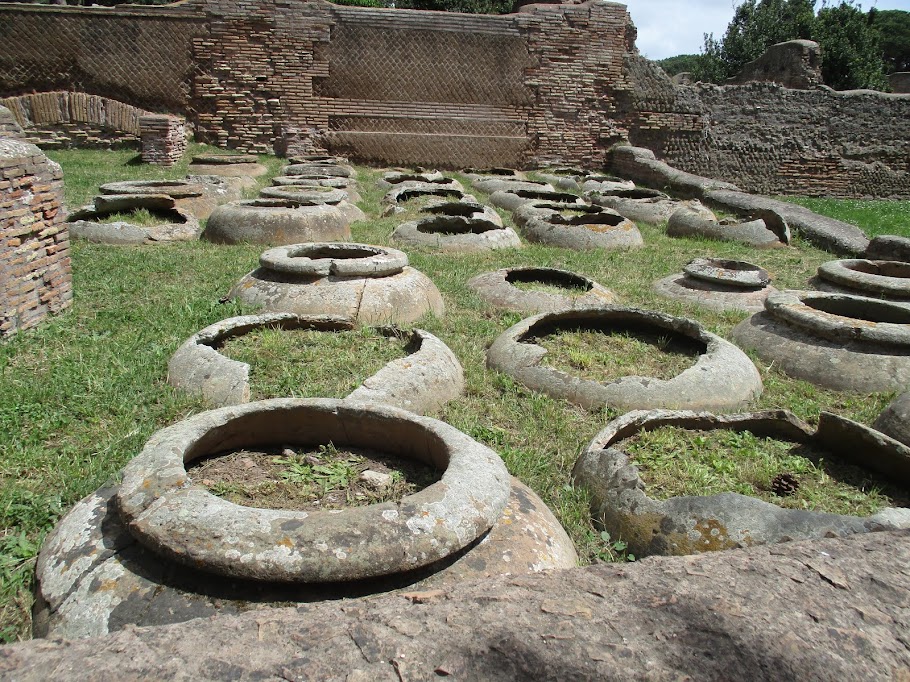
(35, 277)
(550, 84)
(770, 139)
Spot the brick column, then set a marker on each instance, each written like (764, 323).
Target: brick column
(35, 275)
(163, 139)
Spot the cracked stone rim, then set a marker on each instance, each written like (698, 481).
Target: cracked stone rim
(167, 513)
(423, 380)
(869, 276)
(722, 378)
(737, 273)
(224, 159)
(693, 523)
(306, 193)
(497, 289)
(842, 317)
(178, 189)
(342, 259)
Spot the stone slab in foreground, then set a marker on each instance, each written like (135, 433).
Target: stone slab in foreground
(820, 610)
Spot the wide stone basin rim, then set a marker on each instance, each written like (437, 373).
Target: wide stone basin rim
(831, 316)
(167, 513)
(342, 259)
(864, 274)
(178, 189)
(226, 159)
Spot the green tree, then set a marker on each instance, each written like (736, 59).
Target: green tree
(894, 28)
(756, 25)
(683, 62)
(851, 52)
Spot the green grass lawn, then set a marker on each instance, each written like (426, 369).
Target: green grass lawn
(872, 216)
(80, 394)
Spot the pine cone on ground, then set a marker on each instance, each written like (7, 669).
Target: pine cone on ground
(784, 484)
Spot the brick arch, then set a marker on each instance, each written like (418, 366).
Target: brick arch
(61, 115)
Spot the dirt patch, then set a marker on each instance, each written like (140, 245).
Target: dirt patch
(603, 354)
(675, 461)
(310, 479)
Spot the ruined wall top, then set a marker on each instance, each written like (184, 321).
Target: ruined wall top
(794, 64)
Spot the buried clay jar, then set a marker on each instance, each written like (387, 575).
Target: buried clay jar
(370, 284)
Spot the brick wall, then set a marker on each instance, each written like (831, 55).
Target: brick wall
(551, 84)
(35, 277)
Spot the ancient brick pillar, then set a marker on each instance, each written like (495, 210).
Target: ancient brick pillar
(163, 139)
(35, 275)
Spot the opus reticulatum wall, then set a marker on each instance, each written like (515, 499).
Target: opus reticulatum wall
(550, 84)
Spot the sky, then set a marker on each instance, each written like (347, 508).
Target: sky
(670, 27)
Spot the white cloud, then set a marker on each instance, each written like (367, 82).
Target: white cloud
(671, 27)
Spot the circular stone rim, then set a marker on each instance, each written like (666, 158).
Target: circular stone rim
(291, 259)
(428, 525)
(319, 194)
(494, 286)
(841, 272)
(706, 269)
(224, 159)
(789, 306)
(177, 189)
(709, 378)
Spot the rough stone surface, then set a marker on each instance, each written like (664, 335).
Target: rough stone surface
(197, 198)
(456, 234)
(580, 230)
(827, 610)
(640, 164)
(719, 284)
(230, 165)
(166, 513)
(794, 64)
(416, 190)
(843, 349)
(498, 289)
(467, 209)
(373, 285)
(876, 278)
(826, 233)
(691, 524)
(512, 199)
(492, 184)
(417, 178)
(421, 382)
(723, 377)
(894, 421)
(889, 247)
(276, 221)
(317, 169)
(117, 583)
(732, 272)
(176, 223)
(647, 206)
(687, 223)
